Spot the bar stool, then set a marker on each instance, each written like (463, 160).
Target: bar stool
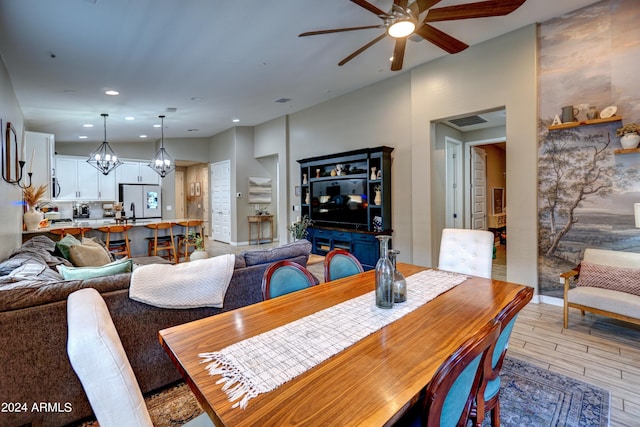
(118, 246)
(193, 226)
(74, 231)
(161, 243)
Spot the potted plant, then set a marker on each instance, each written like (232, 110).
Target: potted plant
(629, 135)
(199, 252)
(32, 196)
(298, 229)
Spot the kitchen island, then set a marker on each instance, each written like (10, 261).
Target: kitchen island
(137, 234)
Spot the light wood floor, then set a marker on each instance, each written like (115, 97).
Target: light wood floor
(594, 349)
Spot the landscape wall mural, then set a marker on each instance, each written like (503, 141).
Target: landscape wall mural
(586, 191)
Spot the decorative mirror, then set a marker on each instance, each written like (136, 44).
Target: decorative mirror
(10, 155)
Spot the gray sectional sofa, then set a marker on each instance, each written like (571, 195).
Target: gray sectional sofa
(37, 377)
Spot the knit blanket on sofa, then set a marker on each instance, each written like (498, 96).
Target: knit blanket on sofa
(201, 283)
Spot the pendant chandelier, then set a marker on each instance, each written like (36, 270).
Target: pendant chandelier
(162, 162)
(104, 158)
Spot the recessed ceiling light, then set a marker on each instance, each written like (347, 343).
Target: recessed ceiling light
(193, 130)
(236, 120)
(197, 98)
(70, 91)
(156, 126)
(129, 118)
(112, 92)
(87, 125)
(282, 100)
(83, 137)
(143, 136)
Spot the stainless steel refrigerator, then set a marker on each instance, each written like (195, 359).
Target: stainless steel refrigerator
(141, 201)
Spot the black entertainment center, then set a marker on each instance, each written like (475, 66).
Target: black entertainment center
(348, 198)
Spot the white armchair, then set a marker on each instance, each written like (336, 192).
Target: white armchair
(99, 360)
(466, 251)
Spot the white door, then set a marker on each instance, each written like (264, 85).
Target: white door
(206, 204)
(478, 188)
(453, 184)
(179, 195)
(221, 201)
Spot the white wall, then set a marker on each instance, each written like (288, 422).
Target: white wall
(10, 195)
(502, 73)
(271, 140)
(377, 115)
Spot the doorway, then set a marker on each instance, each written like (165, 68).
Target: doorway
(474, 172)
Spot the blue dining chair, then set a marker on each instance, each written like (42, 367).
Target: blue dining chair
(340, 263)
(283, 277)
(450, 395)
(491, 381)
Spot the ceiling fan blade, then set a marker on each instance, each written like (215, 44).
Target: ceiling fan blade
(371, 8)
(338, 30)
(401, 3)
(426, 4)
(440, 39)
(398, 54)
(482, 9)
(362, 49)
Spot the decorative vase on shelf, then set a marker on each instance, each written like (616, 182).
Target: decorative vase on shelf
(304, 179)
(374, 175)
(377, 200)
(384, 275)
(32, 219)
(630, 140)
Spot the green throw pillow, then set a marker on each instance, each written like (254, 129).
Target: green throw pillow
(83, 273)
(64, 245)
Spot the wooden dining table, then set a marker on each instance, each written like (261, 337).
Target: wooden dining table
(373, 382)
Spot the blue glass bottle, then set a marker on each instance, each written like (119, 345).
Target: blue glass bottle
(399, 282)
(384, 275)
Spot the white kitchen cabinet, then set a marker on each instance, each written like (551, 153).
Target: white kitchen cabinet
(132, 172)
(107, 188)
(77, 179)
(39, 158)
(80, 181)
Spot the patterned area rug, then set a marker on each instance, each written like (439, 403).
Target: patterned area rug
(530, 396)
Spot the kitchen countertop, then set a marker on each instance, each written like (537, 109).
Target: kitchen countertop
(100, 222)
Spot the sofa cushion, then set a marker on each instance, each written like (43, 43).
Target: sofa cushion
(605, 299)
(84, 273)
(89, 254)
(64, 245)
(34, 271)
(290, 250)
(619, 279)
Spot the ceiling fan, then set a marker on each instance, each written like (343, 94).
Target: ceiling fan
(403, 20)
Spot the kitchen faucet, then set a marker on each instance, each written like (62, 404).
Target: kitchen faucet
(133, 211)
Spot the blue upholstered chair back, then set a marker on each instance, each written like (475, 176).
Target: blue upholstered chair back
(450, 395)
(283, 277)
(340, 263)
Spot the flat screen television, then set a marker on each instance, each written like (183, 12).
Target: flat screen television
(340, 203)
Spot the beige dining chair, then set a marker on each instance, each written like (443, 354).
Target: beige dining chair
(467, 251)
(98, 358)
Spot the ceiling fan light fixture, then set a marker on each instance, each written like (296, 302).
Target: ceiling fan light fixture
(401, 28)
(104, 158)
(162, 162)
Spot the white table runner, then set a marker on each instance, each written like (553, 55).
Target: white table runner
(262, 363)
